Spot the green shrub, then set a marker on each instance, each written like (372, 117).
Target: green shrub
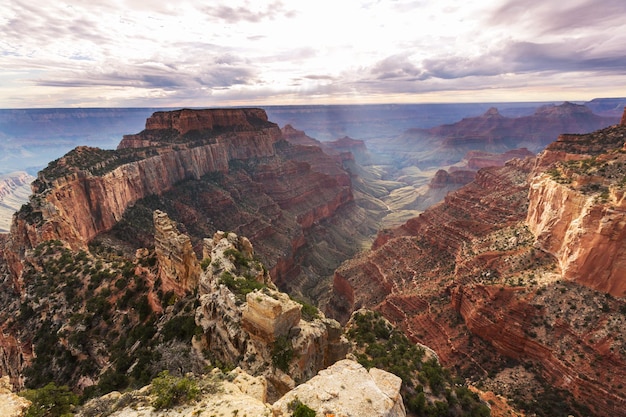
(171, 391)
(309, 311)
(50, 401)
(240, 286)
(237, 257)
(282, 353)
(299, 409)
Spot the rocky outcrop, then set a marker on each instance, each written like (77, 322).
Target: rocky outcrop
(347, 388)
(246, 320)
(493, 130)
(443, 178)
(14, 191)
(11, 405)
(177, 263)
(577, 209)
(269, 316)
(479, 159)
(233, 394)
(343, 389)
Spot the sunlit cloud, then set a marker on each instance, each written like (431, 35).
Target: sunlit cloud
(145, 53)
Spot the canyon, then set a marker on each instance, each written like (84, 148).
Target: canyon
(122, 253)
(523, 266)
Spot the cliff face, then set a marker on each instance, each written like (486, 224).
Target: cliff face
(577, 209)
(250, 176)
(14, 191)
(528, 258)
(178, 266)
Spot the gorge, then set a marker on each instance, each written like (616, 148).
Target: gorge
(518, 272)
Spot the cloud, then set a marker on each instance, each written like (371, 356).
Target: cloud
(566, 17)
(395, 66)
(245, 13)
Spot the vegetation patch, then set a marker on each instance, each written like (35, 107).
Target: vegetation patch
(50, 401)
(282, 353)
(428, 389)
(240, 286)
(170, 391)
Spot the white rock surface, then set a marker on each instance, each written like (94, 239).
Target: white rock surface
(347, 389)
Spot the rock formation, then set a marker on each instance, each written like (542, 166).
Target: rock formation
(177, 263)
(246, 320)
(479, 159)
(343, 389)
(14, 191)
(528, 257)
(347, 388)
(492, 131)
(250, 179)
(235, 393)
(11, 405)
(577, 209)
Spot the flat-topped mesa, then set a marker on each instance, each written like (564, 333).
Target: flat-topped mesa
(192, 125)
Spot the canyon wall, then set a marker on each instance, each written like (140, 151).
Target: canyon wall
(14, 191)
(87, 191)
(577, 207)
(529, 258)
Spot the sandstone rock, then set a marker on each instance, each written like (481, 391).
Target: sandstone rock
(235, 393)
(584, 229)
(479, 254)
(246, 329)
(14, 191)
(347, 389)
(270, 315)
(11, 405)
(178, 266)
(87, 191)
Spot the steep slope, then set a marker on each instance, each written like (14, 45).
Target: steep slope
(230, 167)
(522, 266)
(14, 191)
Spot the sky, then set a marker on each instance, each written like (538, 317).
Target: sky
(196, 53)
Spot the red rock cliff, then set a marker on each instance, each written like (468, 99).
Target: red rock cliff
(577, 208)
(87, 191)
(495, 254)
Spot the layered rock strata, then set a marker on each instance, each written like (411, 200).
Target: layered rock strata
(577, 207)
(254, 183)
(518, 255)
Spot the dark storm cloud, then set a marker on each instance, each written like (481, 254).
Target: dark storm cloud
(568, 56)
(245, 14)
(319, 77)
(513, 57)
